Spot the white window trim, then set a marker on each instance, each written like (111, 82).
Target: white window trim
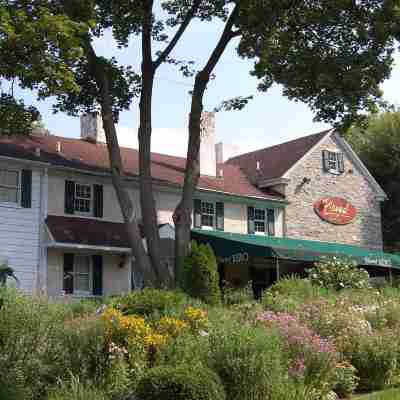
(207, 227)
(334, 171)
(265, 233)
(83, 293)
(90, 212)
(12, 203)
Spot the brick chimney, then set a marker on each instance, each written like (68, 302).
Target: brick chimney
(208, 163)
(92, 128)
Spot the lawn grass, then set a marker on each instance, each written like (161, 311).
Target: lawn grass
(392, 394)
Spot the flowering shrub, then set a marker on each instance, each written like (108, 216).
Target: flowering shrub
(289, 293)
(312, 357)
(196, 318)
(337, 273)
(171, 326)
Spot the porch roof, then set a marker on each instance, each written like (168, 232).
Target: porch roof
(229, 246)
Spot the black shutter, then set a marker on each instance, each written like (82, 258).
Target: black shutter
(26, 188)
(250, 219)
(340, 160)
(325, 160)
(69, 197)
(219, 216)
(97, 275)
(98, 201)
(197, 213)
(68, 278)
(271, 222)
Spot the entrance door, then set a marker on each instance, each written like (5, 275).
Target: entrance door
(261, 279)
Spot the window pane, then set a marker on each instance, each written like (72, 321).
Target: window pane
(82, 283)
(207, 208)
(259, 214)
(9, 178)
(259, 226)
(207, 220)
(8, 195)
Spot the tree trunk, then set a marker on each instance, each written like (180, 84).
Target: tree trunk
(147, 201)
(183, 212)
(117, 171)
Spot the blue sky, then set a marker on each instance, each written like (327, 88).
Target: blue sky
(268, 119)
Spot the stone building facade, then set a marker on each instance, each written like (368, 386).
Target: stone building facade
(308, 182)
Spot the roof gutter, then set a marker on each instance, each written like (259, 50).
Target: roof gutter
(77, 246)
(25, 161)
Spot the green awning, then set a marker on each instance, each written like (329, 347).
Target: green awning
(235, 247)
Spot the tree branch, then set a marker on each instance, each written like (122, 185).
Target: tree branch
(167, 51)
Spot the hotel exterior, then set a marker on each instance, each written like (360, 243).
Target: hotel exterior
(266, 213)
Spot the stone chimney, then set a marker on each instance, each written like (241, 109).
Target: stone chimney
(225, 151)
(208, 163)
(92, 128)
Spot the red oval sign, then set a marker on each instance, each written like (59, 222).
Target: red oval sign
(335, 210)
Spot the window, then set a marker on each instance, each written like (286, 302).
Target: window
(207, 214)
(333, 162)
(9, 186)
(82, 279)
(264, 221)
(259, 220)
(83, 198)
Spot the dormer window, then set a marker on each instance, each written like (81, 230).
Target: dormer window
(333, 162)
(83, 198)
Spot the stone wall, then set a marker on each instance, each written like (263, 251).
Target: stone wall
(301, 220)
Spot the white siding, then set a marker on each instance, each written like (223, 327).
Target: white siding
(19, 235)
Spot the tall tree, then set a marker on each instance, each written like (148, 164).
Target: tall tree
(378, 144)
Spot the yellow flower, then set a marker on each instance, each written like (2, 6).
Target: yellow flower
(155, 340)
(171, 326)
(196, 318)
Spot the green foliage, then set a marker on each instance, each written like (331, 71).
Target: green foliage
(201, 274)
(320, 51)
(15, 117)
(289, 293)
(232, 295)
(375, 358)
(148, 301)
(27, 331)
(337, 273)
(76, 390)
(250, 362)
(346, 379)
(180, 383)
(377, 144)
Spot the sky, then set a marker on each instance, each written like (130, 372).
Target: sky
(268, 119)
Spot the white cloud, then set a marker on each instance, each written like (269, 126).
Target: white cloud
(172, 141)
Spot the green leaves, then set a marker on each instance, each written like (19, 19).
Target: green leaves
(331, 55)
(16, 118)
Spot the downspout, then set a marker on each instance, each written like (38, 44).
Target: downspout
(42, 259)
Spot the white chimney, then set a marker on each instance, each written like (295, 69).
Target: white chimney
(208, 163)
(225, 151)
(92, 127)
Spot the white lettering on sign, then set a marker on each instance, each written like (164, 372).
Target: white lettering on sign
(378, 261)
(237, 258)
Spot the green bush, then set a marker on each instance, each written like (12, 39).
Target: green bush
(201, 274)
(180, 383)
(75, 390)
(346, 379)
(235, 296)
(289, 293)
(375, 358)
(250, 362)
(339, 273)
(148, 301)
(27, 336)
(79, 349)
